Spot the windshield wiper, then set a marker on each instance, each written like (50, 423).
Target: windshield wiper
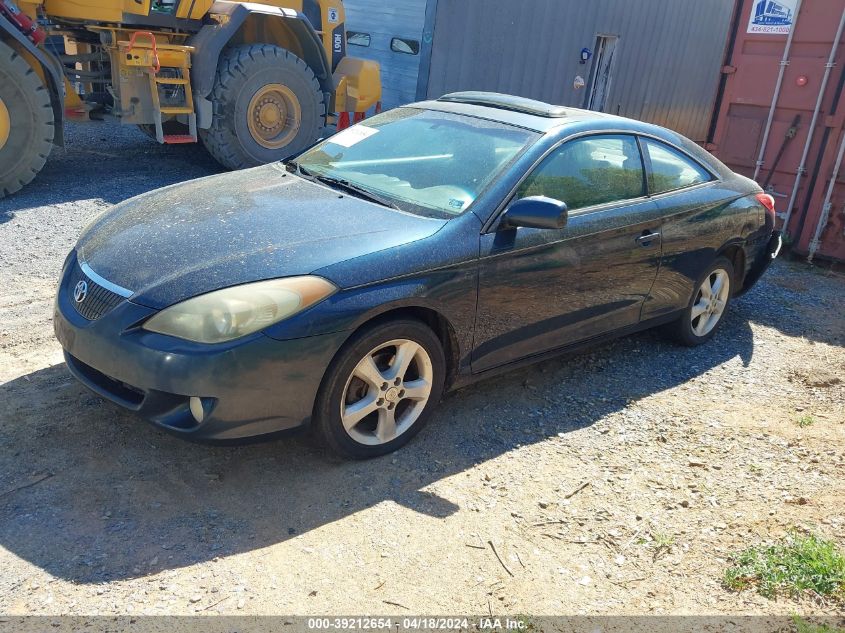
(355, 190)
(291, 166)
(345, 185)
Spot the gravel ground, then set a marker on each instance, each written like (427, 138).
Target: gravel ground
(617, 481)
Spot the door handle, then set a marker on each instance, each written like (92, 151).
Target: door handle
(647, 238)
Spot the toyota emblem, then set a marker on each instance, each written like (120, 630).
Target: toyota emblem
(80, 291)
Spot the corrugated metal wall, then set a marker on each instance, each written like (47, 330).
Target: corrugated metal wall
(665, 70)
(384, 21)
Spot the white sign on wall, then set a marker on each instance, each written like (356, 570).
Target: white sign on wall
(774, 17)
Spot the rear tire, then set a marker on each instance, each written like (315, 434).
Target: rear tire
(267, 104)
(27, 125)
(707, 307)
(366, 409)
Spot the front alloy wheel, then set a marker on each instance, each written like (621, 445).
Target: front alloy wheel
(380, 389)
(387, 391)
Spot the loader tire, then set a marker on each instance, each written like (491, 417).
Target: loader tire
(26, 122)
(267, 106)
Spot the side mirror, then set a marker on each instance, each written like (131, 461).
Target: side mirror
(536, 212)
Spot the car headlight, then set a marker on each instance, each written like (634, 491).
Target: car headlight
(230, 313)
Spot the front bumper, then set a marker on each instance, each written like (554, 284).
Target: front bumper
(249, 387)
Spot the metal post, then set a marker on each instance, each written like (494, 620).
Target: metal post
(784, 62)
(802, 167)
(814, 244)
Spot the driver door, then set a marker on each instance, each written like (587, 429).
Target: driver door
(541, 289)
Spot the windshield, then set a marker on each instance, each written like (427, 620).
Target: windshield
(422, 161)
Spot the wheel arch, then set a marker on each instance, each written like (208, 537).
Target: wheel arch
(735, 252)
(235, 23)
(45, 66)
(433, 318)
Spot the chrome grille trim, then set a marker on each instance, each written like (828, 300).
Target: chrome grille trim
(98, 301)
(105, 283)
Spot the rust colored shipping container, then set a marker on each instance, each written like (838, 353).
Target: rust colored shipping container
(770, 128)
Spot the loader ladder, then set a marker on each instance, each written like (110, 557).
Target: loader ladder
(155, 57)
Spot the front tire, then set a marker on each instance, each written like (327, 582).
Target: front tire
(267, 104)
(26, 122)
(708, 305)
(380, 389)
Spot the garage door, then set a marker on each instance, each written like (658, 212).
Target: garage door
(390, 34)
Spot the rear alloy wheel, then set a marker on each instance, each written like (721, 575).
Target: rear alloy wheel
(708, 306)
(710, 303)
(26, 122)
(379, 391)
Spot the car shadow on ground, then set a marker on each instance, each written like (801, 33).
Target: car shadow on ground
(91, 494)
(107, 162)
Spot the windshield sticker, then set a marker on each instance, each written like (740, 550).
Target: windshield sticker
(351, 136)
(456, 204)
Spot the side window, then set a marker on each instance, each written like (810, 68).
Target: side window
(671, 169)
(589, 171)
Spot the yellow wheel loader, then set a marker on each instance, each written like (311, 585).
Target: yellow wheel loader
(254, 82)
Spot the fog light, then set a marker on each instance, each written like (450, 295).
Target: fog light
(197, 410)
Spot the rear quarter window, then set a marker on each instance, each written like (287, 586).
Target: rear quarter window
(671, 169)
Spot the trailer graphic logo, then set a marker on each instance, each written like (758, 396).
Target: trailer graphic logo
(773, 17)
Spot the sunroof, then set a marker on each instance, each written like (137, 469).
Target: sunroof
(506, 102)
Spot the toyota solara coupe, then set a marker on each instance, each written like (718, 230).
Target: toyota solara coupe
(429, 246)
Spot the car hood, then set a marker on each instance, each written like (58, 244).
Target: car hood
(219, 231)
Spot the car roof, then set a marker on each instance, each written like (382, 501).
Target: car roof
(512, 110)
(507, 102)
(547, 118)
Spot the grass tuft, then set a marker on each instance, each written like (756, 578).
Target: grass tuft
(805, 421)
(797, 563)
(662, 540)
(808, 627)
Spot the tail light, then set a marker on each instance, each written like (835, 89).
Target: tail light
(767, 201)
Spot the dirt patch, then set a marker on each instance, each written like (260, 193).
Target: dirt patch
(819, 377)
